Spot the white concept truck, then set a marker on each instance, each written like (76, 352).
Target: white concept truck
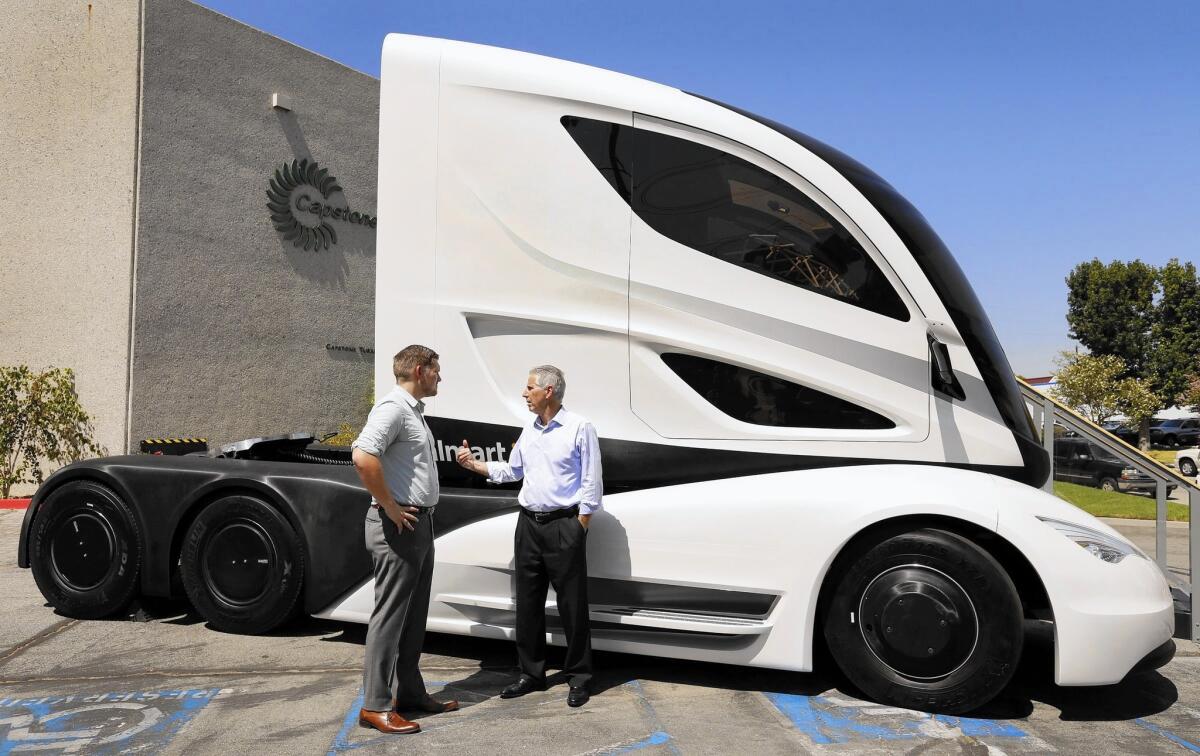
(811, 437)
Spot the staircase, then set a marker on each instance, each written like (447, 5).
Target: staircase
(1050, 411)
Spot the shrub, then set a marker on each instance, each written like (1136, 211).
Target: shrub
(41, 420)
(344, 437)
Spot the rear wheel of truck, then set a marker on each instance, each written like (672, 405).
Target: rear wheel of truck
(1187, 467)
(85, 550)
(926, 620)
(242, 565)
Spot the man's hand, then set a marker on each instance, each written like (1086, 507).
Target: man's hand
(584, 519)
(405, 517)
(371, 472)
(467, 459)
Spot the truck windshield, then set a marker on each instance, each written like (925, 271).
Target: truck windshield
(948, 281)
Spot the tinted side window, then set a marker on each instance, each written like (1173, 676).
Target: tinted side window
(735, 211)
(761, 399)
(1105, 456)
(608, 146)
(1069, 448)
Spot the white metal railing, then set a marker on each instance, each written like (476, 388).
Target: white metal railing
(1049, 411)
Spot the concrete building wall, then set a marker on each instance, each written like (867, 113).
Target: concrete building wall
(232, 320)
(68, 128)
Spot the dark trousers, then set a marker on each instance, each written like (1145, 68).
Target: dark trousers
(552, 553)
(403, 576)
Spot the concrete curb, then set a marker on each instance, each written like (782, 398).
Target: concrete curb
(14, 503)
(1119, 522)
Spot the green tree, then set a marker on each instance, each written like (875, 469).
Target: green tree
(41, 419)
(1138, 403)
(1092, 386)
(1175, 334)
(1147, 316)
(1191, 395)
(1110, 310)
(1088, 384)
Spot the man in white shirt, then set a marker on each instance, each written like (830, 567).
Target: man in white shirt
(394, 457)
(558, 455)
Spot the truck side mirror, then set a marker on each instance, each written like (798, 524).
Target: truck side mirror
(943, 378)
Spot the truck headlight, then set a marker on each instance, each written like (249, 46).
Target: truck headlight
(1100, 545)
(1131, 472)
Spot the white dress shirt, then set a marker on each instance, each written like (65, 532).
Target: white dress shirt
(560, 462)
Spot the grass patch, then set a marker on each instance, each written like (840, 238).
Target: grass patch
(1166, 457)
(1115, 504)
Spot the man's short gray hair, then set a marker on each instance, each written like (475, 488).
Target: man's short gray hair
(548, 375)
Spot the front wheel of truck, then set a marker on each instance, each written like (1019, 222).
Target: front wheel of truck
(242, 565)
(926, 620)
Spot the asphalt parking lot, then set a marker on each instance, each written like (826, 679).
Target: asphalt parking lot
(160, 681)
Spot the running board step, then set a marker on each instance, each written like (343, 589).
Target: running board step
(630, 615)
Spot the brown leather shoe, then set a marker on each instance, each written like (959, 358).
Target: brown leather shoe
(430, 706)
(387, 721)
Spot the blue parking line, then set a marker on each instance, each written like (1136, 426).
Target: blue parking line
(822, 726)
(341, 742)
(660, 736)
(1157, 730)
(981, 728)
(147, 720)
(656, 738)
(827, 721)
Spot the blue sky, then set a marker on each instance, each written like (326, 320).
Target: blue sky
(1032, 135)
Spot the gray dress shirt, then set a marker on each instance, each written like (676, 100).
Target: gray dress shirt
(396, 433)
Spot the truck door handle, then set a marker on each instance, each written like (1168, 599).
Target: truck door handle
(943, 378)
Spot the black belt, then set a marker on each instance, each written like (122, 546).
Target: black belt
(542, 518)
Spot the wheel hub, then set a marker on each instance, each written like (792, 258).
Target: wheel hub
(82, 550)
(918, 621)
(238, 562)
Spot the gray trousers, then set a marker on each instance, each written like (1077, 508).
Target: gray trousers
(403, 575)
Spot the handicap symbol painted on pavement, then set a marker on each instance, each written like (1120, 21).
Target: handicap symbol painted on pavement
(98, 723)
(831, 720)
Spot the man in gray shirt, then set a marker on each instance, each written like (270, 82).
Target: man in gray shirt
(395, 459)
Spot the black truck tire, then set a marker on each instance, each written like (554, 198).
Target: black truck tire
(926, 620)
(242, 565)
(1187, 467)
(85, 550)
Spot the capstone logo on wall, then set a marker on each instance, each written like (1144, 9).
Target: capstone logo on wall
(298, 199)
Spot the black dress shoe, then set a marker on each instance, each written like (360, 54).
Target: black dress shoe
(521, 687)
(578, 696)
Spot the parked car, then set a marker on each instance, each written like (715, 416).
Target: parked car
(1172, 433)
(1122, 431)
(1186, 460)
(1190, 436)
(1077, 460)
